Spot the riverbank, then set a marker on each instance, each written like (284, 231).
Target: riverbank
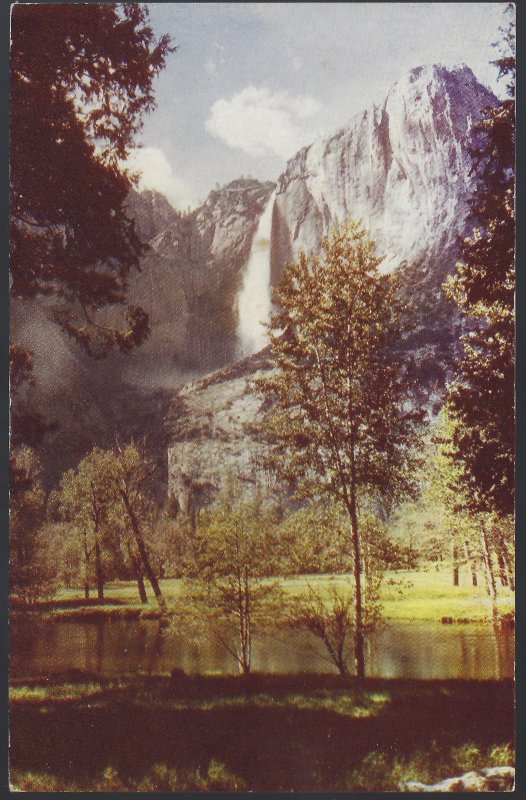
(425, 595)
(80, 732)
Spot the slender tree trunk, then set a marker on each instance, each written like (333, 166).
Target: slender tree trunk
(154, 583)
(142, 589)
(99, 571)
(139, 573)
(511, 576)
(502, 567)
(490, 576)
(86, 568)
(244, 647)
(455, 565)
(248, 627)
(471, 562)
(359, 658)
(508, 564)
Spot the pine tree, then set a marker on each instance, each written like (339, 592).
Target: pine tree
(341, 422)
(482, 396)
(81, 80)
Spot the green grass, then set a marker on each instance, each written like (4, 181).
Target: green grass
(261, 733)
(409, 595)
(421, 595)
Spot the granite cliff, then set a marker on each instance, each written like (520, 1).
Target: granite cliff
(403, 166)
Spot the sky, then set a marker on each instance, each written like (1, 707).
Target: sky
(251, 83)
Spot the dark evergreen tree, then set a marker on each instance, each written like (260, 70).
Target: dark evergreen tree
(482, 396)
(81, 80)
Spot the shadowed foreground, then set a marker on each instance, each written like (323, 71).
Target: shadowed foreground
(264, 732)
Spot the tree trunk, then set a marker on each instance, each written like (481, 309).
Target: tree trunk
(142, 589)
(359, 658)
(99, 571)
(502, 568)
(471, 562)
(154, 583)
(139, 572)
(86, 568)
(455, 565)
(490, 576)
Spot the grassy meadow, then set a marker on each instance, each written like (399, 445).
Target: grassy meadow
(424, 595)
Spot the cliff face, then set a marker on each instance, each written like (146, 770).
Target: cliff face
(206, 251)
(151, 212)
(402, 166)
(210, 438)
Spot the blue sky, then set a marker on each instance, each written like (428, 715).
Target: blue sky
(251, 83)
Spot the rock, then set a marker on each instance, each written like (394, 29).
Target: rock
(402, 166)
(210, 427)
(490, 779)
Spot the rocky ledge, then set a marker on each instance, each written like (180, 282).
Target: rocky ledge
(490, 779)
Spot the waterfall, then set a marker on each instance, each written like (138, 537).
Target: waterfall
(254, 303)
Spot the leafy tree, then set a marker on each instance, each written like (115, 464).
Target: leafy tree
(28, 427)
(107, 501)
(85, 496)
(81, 80)
(312, 539)
(129, 481)
(27, 576)
(476, 532)
(482, 397)
(340, 422)
(232, 557)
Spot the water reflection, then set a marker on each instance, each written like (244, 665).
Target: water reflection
(113, 647)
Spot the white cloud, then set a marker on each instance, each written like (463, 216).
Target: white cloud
(262, 122)
(156, 173)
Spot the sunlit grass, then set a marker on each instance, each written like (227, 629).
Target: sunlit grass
(64, 691)
(160, 778)
(381, 771)
(421, 595)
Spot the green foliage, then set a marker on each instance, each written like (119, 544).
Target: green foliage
(339, 419)
(107, 503)
(81, 80)
(313, 539)
(28, 577)
(160, 778)
(384, 772)
(482, 396)
(232, 553)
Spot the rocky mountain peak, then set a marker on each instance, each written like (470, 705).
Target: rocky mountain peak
(403, 166)
(151, 212)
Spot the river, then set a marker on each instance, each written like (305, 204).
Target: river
(115, 647)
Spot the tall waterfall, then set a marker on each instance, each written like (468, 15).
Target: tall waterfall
(254, 299)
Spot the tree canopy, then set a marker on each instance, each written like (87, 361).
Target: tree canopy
(482, 396)
(341, 420)
(81, 80)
